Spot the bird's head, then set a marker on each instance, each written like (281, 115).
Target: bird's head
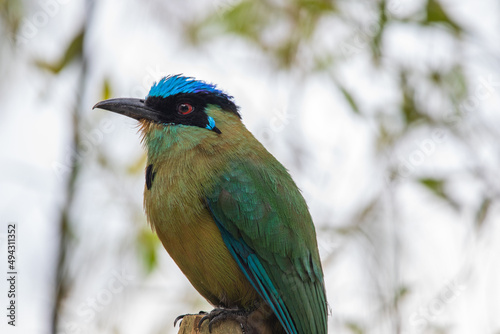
(175, 101)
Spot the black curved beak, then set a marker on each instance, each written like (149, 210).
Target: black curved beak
(135, 108)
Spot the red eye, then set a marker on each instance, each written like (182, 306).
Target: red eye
(184, 108)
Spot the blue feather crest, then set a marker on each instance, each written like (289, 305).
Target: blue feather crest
(176, 84)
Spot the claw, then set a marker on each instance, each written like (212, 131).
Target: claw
(201, 322)
(182, 316)
(179, 318)
(221, 314)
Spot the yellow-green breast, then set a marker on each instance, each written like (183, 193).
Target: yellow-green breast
(175, 207)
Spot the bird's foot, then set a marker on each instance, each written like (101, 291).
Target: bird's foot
(184, 315)
(220, 314)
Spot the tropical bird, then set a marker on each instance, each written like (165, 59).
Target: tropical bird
(227, 212)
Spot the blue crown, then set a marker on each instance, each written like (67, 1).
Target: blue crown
(176, 84)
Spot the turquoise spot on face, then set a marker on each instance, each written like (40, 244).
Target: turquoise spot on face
(211, 123)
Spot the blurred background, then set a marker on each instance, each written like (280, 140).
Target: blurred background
(386, 113)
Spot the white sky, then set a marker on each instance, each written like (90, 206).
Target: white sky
(133, 51)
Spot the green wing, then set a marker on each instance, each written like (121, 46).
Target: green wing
(266, 225)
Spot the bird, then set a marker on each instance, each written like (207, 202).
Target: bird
(227, 212)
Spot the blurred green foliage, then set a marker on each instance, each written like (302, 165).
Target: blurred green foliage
(148, 245)
(72, 52)
(12, 13)
(438, 15)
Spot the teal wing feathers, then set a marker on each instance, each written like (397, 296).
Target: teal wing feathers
(265, 223)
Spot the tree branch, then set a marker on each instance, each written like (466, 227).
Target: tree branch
(189, 325)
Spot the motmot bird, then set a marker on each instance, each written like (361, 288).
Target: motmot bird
(227, 212)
